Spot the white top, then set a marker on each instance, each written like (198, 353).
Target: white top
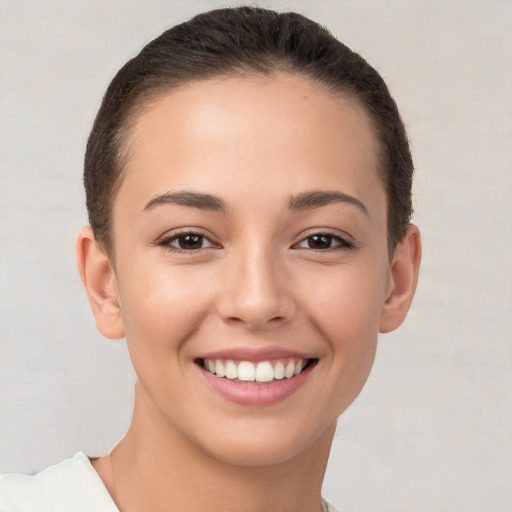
(71, 486)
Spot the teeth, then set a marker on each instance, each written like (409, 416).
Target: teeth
(264, 372)
(279, 371)
(289, 370)
(219, 369)
(231, 370)
(246, 371)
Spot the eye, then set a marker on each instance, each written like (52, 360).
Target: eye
(187, 242)
(324, 241)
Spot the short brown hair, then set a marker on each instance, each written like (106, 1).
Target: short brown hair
(235, 41)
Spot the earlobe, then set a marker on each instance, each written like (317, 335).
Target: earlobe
(403, 280)
(100, 284)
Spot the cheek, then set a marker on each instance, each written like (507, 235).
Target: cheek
(162, 306)
(345, 305)
(348, 318)
(350, 296)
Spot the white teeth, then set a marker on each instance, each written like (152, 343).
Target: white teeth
(264, 371)
(279, 371)
(231, 370)
(246, 371)
(289, 370)
(219, 369)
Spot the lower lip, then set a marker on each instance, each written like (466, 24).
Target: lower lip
(255, 394)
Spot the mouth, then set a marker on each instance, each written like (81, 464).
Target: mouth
(257, 373)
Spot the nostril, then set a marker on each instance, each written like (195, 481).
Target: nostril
(254, 321)
(235, 320)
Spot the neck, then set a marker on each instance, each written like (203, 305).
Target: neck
(155, 467)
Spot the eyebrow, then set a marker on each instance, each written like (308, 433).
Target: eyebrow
(191, 199)
(304, 201)
(318, 198)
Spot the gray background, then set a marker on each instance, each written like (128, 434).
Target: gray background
(432, 429)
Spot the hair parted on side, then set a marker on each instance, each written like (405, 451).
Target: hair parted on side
(237, 41)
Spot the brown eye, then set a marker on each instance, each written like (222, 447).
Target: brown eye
(187, 242)
(324, 241)
(320, 241)
(190, 241)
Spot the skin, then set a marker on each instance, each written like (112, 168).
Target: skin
(255, 281)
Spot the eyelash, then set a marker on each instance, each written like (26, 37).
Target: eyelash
(168, 241)
(340, 242)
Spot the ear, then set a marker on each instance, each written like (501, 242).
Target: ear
(402, 281)
(100, 284)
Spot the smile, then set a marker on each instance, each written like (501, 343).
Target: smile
(250, 377)
(261, 372)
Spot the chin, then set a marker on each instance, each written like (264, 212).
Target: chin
(267, 445)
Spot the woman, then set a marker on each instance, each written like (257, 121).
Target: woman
(248, 182)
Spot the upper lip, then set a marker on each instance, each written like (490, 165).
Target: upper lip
(255, 354)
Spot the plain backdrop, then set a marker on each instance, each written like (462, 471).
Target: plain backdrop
(431, 431)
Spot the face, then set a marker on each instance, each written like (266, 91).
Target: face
(251, 263)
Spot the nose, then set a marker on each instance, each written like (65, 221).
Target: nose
(257, 291)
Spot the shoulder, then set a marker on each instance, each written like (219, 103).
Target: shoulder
(71, 486)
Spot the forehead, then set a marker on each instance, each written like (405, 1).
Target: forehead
(280, 129)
